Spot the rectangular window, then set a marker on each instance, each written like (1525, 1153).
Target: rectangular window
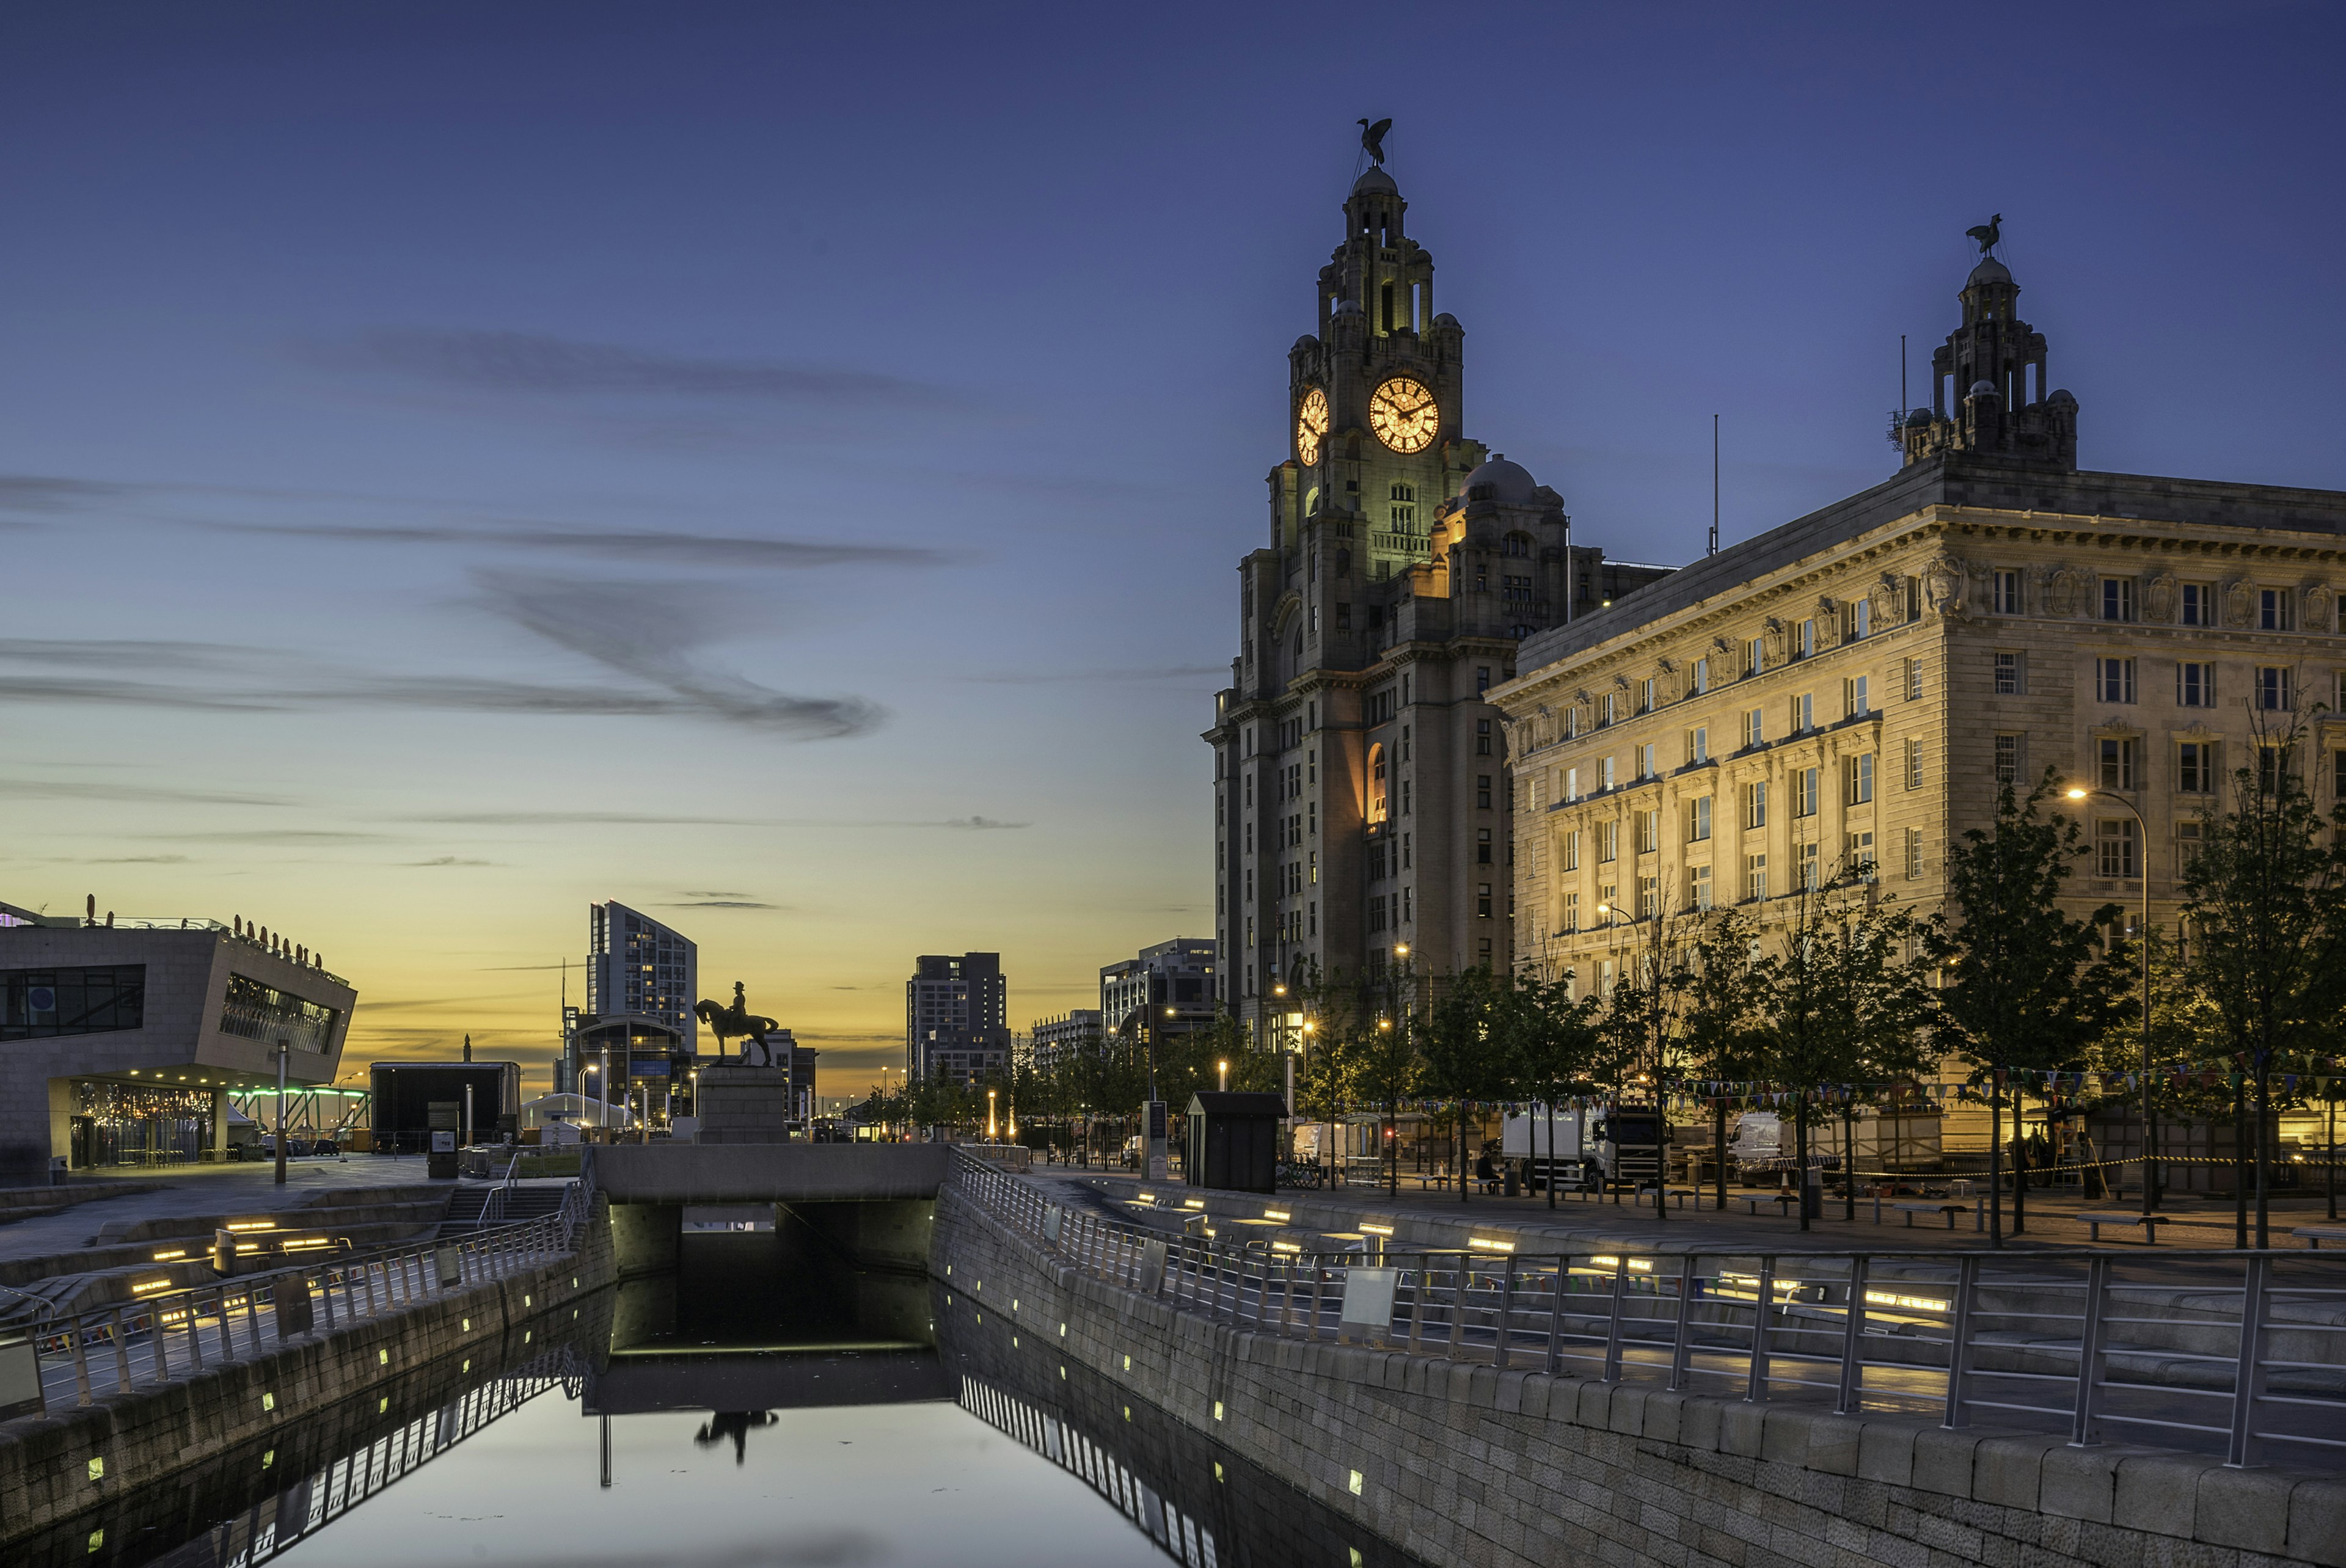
(2006, 596)
(256, 1012)
(1755, 729)
(1755, 876)
(2115, 843)
(1699, 820)
(1697, 747)
(1698, 887)
(1649, 831)
(2338, 773)
(1755, 656)
(1914, 852)
(1646, 761)
(1858, 851)
(1804, 792)
(1862, 618)
(2114, 679)
(1804, 712)
(1608, 842)
(1807, 644)
(1701, 677)
(1572, 724)
(1651, 687)
(41, 1004)
(1855, 702)
(1572, 912)
(2268, 763)
(1605, 773)
(1482, 738)
(1481, 791)
(1606, 709)
(2117, 598)
(1481, 677)
(1343, 617)
(2272, 688)
(2194, 685)
(1482, 847)
(1913, 764)
(1860, 778)
(1483, 900)
(2194, 768)
(2008, 675)
(1572, 850)
(1811, 868)
(1571, 784)
(1755, 804)
(2276, 609)
(1913, 680)
(2009, 760)
(2117, 763)
(2199, 607)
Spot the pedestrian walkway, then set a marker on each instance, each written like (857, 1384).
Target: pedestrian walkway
(198, 1190)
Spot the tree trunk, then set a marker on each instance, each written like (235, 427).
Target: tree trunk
(2019, 1159)
(2239, 1172)
(1718, 1144)
(1849, 1161)
(2264, 1120)
(1995, 1156)
(2330, 1158)
(1799, 1161)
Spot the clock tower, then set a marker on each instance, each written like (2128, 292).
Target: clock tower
(1360, 789)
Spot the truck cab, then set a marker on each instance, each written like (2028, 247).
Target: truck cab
(1626, 1145)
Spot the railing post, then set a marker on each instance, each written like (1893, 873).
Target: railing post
(1959, 1342)
(1417, 1286)
(1613, 1318)
(2084, 1423)
(1755, 1391)
(228, 1326)
(1852, 1341)
(1457, 1305)
(1506, 1311)
(1556, 1312)
(194, 1345)
(1682, 1337)
(76, 1334)
(2249, 1374)
(121, 1337)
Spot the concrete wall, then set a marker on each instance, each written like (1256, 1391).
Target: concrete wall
(136, 1440)
(768, 1172)
(1464, 1464)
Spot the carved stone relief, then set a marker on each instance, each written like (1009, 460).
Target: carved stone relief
(2320, 608)
(1774, 632)
(1942, 587)
(2239, 605)
(1884, 598)
(2158, 598)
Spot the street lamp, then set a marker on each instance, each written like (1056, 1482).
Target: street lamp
(2149, 1127)
(1224, 1069)
(588, 1071)
(989, 1116)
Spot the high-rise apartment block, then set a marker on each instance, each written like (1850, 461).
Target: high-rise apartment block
(637, 965)
(1055, 1041)
(1360, 784)
(956, 1017)
(1170, 985)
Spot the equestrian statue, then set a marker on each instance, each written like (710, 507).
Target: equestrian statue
(735, 1022)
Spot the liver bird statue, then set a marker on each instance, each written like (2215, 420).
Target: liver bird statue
(1372, 140)
(737, 1021)
(1987, 233)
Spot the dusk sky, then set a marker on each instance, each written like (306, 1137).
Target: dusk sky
(783, 466)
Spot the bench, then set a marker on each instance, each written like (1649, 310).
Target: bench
(1782, 1200)
(1949, 1209)
(2315, 1235)
(1638, 1198)
(2150, 1223)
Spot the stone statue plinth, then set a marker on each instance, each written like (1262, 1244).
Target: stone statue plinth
(744, 1104)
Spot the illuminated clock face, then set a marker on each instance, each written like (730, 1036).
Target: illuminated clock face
(1311, 426)
(1404, 416)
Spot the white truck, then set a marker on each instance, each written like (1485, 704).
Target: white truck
(1588, 1148)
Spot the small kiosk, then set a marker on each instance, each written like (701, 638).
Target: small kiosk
(1233, 1140)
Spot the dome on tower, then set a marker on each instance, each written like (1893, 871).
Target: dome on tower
(1920, 417)
(1376, 178)
(1989, 270)
(2061, 395)
(1511, 484)
(1982, 388)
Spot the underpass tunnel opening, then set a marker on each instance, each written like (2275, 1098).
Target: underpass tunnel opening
(834, 1273)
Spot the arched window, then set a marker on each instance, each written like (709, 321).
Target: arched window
(1376, 784)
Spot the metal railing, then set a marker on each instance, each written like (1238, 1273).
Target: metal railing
(169, 1334)
(2221, 1352)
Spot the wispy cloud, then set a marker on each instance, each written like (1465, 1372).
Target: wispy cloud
(649, 631)
(732, 552)
(724, 904)
(44, 494)
(975, 822)
(536, 364)
(558, 818)
(446, 860)
(1104, 677)
(70, 790)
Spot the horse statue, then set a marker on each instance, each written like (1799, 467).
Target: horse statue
(735, 1022)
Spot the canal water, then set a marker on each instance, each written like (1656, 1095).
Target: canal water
(734, 1415)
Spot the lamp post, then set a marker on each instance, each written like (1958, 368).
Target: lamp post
(588, 1071)
(2149, 1127)
(1224, 1069)
(989, 1116)
(1392, 1118)
(281, 1047)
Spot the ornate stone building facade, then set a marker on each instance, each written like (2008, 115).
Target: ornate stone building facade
(1854, 686)
(1359, 785)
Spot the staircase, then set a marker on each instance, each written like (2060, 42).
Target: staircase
(481, 1206)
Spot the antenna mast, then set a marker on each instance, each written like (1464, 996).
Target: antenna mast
(1714, 485)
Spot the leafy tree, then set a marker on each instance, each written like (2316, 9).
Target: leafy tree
(1549, 1036)
(2026, 986)
(1464, 1040)
(2265, 900)
(1723, 1019)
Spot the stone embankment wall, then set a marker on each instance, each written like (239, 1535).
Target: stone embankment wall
(1464, 1464)
(55, 1466)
